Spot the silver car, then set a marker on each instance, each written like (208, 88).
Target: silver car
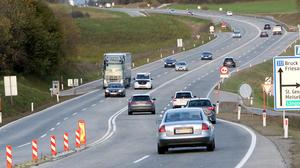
(181, 66)
(185, 127)
(141, 103)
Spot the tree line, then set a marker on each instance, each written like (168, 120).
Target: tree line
(33, 39)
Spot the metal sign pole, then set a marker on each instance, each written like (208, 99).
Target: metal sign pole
(0, 109)
(283, 117)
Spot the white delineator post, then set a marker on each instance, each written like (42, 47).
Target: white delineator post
(217, 107)
(32, 107)
(57, 98)
(264, 114)
(251, 101)
(239, 112)
(286, 128)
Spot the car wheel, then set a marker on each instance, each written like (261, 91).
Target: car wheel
(211, 146)
(129, 113)
(161, 150)
(153, 112)
(214, 122)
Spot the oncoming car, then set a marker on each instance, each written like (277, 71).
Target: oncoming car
(181, 66)
(115, 89)
(142, 81)
(206, 55)
(170, 62)
(185, 127)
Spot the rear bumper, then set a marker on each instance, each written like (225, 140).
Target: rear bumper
(186, 142)
(141, 108)
(108, 94)
(139, 86)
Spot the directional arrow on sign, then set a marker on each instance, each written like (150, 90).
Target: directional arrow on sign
(286, 85)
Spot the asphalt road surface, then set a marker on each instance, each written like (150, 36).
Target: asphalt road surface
(118, 140)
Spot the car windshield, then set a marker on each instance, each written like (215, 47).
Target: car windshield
(170, 60)
(142, 76)
(229, 59)
(181, 63)
(183, 95)
(183, 116)
(140, 98)
(115, 85)
(207, 53)
(199, 103)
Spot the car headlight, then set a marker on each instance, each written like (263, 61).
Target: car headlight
(174, 63)
(120, 91)
(165, 63)
(106, 90)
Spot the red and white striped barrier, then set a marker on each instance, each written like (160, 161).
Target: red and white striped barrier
(9, 162)
(66, 142)
(53, 146)
(77, 138)
(34, 150)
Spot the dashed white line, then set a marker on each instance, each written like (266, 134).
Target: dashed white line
(66, 118)
(168, 105)
(165, 108)
(23, 145)
(58, 123)
(185, 88)
(165, 72)
(139, 160)
(74, 114)
(93, 105)
(158, 76)
(189, 84)
(52, 129)
(84, 109)
(43, 136)
(162, 112)
(101, 101)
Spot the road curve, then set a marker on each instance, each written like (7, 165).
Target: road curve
(130, 141)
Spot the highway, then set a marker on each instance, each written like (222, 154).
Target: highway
(118, 140)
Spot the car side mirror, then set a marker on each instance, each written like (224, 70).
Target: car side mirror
(194, 96)
(154, 99)
(214, 105)
(151, 78)
(133, 78)
(172, 97)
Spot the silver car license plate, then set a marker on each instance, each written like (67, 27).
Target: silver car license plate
(185, 130)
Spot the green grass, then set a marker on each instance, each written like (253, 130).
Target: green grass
(261, 6)
(255, 77)
(106, 31)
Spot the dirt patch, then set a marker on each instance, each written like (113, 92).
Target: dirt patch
(288, 148)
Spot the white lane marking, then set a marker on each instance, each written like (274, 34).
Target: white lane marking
(185, 88)
(93, 105)
(66, 118)
(165, 108)
(43, 136)
(74, 114)
(23, 145)
(165, 72)
(158, 76)
(101, 101)
(84, 109)
(189, 84)
(211, 71)
(139, 160)
(168, 105)
(162, 111)
(52, 129)
(58, 123)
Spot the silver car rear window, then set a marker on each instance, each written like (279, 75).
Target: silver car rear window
(183, 116)
(199, 103)
(141, 98)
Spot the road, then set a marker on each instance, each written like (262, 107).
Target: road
(118, 140)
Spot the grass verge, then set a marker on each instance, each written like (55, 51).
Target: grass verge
(106, 31)
(261, 6)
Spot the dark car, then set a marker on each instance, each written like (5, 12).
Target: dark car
(206, 55)
(264, 34)
(170, 62)
(267, 27)
(141, 103)
(206, 105)
(229, 62)
(115, 89)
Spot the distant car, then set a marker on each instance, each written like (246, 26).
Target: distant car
(181, 66)
(181, 98)
(206, 105)
(264, 34)
(170, 62)
(185, 127)
(115, 89)
(171, 11)
(206, 55)
(236, 34)
(229, 13)
(229, 62)
(267, 27)
(190, 12)
(141, 103)
(277, 30)
(143, 81)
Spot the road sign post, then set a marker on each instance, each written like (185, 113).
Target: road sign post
(297, 50)
(10, 87)
(224, 72)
